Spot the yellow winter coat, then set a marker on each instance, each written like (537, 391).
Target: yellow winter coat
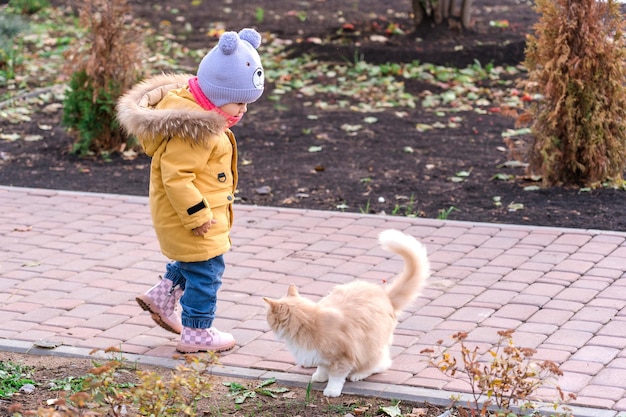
(193, 173)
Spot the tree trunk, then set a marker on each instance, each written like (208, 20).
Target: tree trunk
(418, 12)
(442, 12)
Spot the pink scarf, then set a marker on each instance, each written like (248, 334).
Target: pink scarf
(208, 105)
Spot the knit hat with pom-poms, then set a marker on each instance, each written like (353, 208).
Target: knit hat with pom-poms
(232, 72)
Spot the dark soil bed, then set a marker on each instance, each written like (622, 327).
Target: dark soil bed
(369, 171)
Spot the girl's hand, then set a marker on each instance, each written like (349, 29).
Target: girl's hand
(201, 230)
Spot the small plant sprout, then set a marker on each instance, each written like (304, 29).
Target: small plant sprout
(366, 209)
(308, 398)
(445, 213)
(259, 15)
(301, 15)
(408, 209)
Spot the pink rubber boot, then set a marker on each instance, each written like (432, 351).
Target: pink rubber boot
(160, 301)
(204, 340)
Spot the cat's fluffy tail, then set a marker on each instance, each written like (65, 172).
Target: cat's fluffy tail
(406, 286)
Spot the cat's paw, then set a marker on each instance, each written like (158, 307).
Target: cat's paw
(359, 376)
(319, 376)
(332, 392)
(334, 386)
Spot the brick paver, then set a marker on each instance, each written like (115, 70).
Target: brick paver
(72, 263)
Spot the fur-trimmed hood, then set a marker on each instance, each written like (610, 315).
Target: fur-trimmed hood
(144, 113)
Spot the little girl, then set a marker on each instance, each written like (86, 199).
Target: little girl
(183, 122)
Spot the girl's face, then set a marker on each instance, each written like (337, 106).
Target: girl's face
(234, 112)
(235, 109)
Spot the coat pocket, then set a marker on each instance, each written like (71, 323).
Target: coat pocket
(220, 204)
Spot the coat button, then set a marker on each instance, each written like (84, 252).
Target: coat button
(229, 198)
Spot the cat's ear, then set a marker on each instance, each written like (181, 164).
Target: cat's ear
(272, 303)
(292, 291)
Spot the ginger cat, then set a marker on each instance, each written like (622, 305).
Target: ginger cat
(348, 333)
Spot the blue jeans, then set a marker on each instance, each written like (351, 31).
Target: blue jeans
(200, 282)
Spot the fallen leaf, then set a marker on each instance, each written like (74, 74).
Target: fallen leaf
(499, 23)
(422, 127)
(360, 410)
(9, 136)
(516, 132)
(513, 164)
(52, 108)
(47, 344)
(515, 207)
(379, 38)
(129, 155)
(502, 176)
(351, 128)
(392, 411)
(417, 412)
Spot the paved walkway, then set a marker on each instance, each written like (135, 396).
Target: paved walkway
(72, 263)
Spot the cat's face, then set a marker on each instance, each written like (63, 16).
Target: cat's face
(279, 310)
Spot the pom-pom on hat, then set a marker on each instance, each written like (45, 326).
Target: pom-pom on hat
(232, 72)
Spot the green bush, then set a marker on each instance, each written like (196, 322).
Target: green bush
(576, 63)
(28, 6)
(102, 65)
(10, 26)
(88, 110)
